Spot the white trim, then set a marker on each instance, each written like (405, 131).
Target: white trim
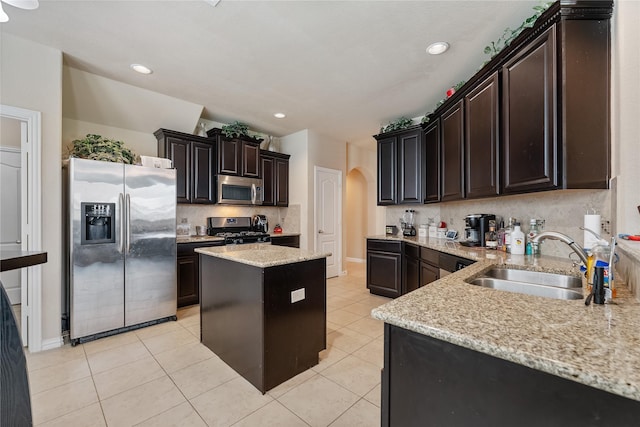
(356, 260)
(337, 172)
(52, 343)
(32, 220)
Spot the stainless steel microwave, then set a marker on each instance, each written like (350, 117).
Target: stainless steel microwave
(238, 190)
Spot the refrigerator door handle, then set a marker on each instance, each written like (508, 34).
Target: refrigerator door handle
(128, 222)
(122, 214)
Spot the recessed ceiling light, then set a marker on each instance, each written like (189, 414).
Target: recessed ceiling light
(437, 48)
(279, 115)
(141, 69)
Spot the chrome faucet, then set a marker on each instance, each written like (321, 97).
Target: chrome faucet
(554, 235)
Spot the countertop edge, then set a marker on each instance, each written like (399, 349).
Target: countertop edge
(279, 255)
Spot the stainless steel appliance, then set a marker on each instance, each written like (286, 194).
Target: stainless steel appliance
(121, 247)
(476, 226)
(236, 230)
(238, 190)
(260, 223)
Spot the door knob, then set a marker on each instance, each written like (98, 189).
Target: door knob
(320, 231)
(18, 241)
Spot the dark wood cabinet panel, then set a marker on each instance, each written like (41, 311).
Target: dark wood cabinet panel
(384, 268)
(428, 273)
(282, 182)
(229, 151)
(193, 158)
(187, 280)
(452, 153)
(268, 184)
(203, 173)
(179, 151)
(481, 108)
(250, 159)
(530, 97)
(432, 165)
(387, 171)
(290, 241)
(411, 265)
(411, 167)
(275, 178)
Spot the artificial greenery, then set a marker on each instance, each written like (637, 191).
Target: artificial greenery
(235, 129)
(96, 147)
(399, 124)
(509, 34)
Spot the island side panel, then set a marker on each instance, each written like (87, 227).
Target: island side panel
(295, 332)
(431, 382)
(231, 316)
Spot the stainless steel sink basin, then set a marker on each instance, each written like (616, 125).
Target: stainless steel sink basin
(539, 278)
(550, 285)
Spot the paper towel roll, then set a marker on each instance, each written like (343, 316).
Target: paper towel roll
(592, 222)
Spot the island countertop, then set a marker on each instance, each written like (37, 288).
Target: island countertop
(596, 345)
(262, 255)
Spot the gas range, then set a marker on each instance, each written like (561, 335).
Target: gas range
(235, 230)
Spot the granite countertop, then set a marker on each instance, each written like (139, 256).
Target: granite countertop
(198, 239)
(283, 234)
(597, 345)
(262, 255)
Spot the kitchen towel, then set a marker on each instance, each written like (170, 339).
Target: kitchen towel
(591, 222)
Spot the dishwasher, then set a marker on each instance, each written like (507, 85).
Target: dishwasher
(450, 263)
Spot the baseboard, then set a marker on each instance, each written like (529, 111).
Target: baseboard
(52, 343)
(356, 260)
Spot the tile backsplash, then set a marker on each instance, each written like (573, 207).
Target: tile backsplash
(562, 210)
(287, 217)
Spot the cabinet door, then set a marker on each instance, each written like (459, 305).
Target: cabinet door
(428, 273)
(188, 292)
(432, 167)
(282, 182)
(203, 173)
(411, 274)
(530, 98)
(268, 180)
(384, 273)
(229, 156)
(452, 153)
(290, 241)
(250, 160)
(387, 171)
(179, 151)
(481, 112)
(411, 167)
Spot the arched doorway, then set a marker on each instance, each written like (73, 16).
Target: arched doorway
(357, 218)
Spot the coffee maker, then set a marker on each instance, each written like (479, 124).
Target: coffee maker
(476, 226)
(260, 224)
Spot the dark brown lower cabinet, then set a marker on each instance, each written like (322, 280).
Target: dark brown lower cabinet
(428, 273)
(411, 268)
(291, 241)
(188, 280)
(428, 382)
(384, 267)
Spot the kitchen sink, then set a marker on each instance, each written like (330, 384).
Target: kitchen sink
(549, 285)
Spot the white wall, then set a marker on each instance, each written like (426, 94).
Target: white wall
(31, 78)
(297, 145)
(357, 215)
(625, 108)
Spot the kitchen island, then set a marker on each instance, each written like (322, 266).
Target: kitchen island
(263, 309)
(458, 354)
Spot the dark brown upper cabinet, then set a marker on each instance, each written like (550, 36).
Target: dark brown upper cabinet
(530, 98)
(452, 137)
(401, 167)
(275, 178)
(482, 127)
(237, 156)
(193, 157)
(432, 151)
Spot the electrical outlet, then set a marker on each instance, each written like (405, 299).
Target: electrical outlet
(606, 226)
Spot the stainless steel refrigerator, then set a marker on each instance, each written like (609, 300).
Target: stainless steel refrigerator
(121, 247)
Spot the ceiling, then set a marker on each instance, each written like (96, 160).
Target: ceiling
(342, 68)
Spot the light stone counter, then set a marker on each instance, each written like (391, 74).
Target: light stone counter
(198, 239)
(262, 255)
(597, 345)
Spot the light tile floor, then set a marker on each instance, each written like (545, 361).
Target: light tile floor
(163, 376)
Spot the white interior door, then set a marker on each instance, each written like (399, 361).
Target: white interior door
(328, 214)
(10, 220)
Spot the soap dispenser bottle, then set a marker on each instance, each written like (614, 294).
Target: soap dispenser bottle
(517, 240)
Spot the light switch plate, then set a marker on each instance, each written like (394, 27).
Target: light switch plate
(297, 295)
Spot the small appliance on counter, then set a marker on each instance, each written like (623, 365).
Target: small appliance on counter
(406, 222)
(391, 230)
(476, 227)
(260, 223)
